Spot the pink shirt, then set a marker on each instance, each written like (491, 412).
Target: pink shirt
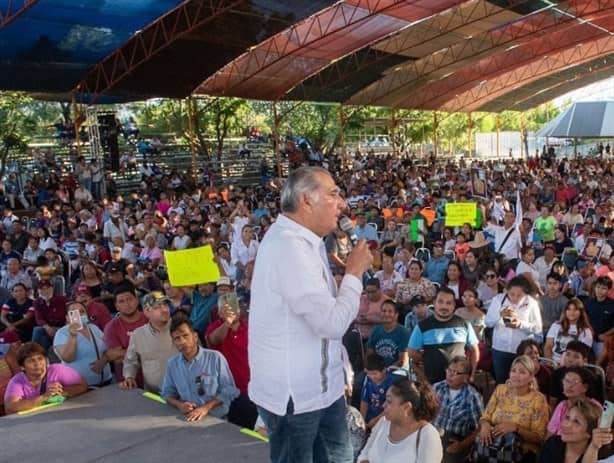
(554, 427)
(19, 386)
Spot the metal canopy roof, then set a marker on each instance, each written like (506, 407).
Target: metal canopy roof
(452, 55)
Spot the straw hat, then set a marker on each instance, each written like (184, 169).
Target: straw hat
(479, 242)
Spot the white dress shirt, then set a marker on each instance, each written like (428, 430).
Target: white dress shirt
(513, 245)
(506, 339)
(296, 322)
(239, 252)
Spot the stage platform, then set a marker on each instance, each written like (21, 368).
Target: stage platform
(111, 425)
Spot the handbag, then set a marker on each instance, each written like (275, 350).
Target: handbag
(504, 449)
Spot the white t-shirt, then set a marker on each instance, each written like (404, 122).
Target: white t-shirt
(561, 340)
(380, 449)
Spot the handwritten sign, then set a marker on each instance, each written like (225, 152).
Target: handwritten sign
(460, 213)
(191, 266)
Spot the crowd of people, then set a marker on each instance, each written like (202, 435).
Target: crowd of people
(521, 296)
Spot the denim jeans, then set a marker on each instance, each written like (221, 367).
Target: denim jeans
(320, 436)
(40, 336)
(502, 362)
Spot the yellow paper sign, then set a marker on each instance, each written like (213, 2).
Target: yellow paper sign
(460, 213)
(191, 266)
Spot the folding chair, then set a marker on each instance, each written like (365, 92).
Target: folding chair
(548, 362)
(600, 372)
(423, 254)
(450, 254)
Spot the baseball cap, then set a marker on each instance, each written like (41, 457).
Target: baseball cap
(438, 244)
(581, 263)
(417, 300)
(115, 268)
(224, 281)
(154, 298)
(549, 246)
(82, 289)
(116, 249)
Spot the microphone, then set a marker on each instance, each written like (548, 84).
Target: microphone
(345, 224)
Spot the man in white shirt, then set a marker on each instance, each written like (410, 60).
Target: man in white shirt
(115, 227)
(297, 319)
(509, 246)
(244, 250)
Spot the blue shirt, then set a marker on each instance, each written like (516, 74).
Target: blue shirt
(388, 345)
(441, 341)
(366, 233)
(260, 212)
(209, 372)
(435, 269)
(460, 415)
(86, 353)
(201, 310)
(375, 395)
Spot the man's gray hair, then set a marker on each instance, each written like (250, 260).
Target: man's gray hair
(302, 180)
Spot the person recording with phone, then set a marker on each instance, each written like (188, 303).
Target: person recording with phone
(515, 316)
(298, 316)
(228, 335)
(80, 345)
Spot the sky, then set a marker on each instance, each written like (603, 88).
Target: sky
(602, 90)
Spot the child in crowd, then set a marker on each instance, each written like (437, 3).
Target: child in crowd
(376, 384)
(419, 310)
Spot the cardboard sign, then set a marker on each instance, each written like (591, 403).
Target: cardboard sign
(459, 213)
(191, 266)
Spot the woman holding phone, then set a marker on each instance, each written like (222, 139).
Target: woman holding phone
(581, 436)
(80, 345)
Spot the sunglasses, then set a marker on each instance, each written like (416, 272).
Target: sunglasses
(490, 275)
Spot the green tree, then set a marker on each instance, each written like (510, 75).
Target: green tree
(17, 123)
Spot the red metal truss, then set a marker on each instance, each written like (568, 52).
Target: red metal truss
(416, 39)
(436, 94)
(174, 25)
(281, 62)
(581, 53)
(393, 89)
(13, 10)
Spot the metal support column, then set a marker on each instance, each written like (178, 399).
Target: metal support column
(469, 132)
(76, 117)
(190, 108)
(435, 124)
(342, 122)
(393, 131)
(499, 124)
(276, 121)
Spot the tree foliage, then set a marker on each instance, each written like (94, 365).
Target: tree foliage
(17, 124)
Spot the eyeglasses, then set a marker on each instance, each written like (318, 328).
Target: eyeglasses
(201, 387)
(454, 372)
(571, 382)
(490, 275)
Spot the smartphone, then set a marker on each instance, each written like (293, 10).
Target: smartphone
(605, 421)
(74, 316)
(231, 299)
